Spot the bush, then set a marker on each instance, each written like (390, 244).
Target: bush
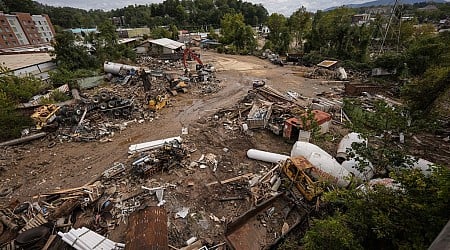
(330, 233)
(11, 121)
(313, 58)
(20, 89)
(14, 90)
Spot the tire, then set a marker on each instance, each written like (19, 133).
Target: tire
(112, 104)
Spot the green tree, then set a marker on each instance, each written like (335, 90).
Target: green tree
(14, 90)
(387, 218)
(279, 32)
(235, 32)
(212, 34)
(300, 25)
(435, 81)
(69, 55)
(160, 32)
(174, 32)
(334, 36)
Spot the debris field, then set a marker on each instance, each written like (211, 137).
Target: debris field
(174, 153)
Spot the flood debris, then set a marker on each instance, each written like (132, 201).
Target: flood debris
(85, 239)
(261, 226)
(135, 148)
(147, 229)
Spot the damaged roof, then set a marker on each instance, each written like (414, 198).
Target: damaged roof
(327, 63)
(168, 43)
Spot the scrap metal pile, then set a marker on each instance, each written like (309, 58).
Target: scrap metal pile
(99, 205)
(134, 94)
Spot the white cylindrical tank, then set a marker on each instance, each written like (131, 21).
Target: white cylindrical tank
(346, 143)
(322, 161)
(266, 156)
(351, 165)
(115, 68)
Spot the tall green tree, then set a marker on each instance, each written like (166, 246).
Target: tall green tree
(333, 35)
(235, 32)
(279, 32)
(70, 55)
(300, 23)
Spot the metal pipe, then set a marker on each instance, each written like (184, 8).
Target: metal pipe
(23, 139)
(265, 156)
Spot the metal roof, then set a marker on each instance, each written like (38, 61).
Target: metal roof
(327, 63)
(168, 43)
(18, 61)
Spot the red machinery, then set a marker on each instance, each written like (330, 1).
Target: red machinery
(188, 54)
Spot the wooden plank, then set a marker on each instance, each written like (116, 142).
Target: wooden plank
(49, 241)
(231, 179)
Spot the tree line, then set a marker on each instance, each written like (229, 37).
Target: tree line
(189, 14)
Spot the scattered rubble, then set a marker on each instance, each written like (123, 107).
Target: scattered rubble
(185, 192)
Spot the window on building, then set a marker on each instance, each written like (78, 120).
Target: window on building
(19, 36)
(1, 30)
(39, 22)
(14, 43)
(15, 29)
(10, 35)
(21, 42)
(4, 37)
(6, 42)
(7, 29)
(42, 28)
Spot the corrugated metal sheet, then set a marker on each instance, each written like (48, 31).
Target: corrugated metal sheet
(168, 43)
(147, 229)
(327, 63)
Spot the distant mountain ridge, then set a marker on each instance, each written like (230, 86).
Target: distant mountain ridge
(385, 2)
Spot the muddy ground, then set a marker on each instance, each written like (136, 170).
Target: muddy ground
(33, 168)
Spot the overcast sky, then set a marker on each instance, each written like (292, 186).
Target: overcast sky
(285, 7)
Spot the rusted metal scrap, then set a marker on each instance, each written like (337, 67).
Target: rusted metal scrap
(147, 229)
(260, 227)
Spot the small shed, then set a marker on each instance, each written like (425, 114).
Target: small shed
(159, 47)
(293, 126)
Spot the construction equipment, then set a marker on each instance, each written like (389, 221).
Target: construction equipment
(176, 84)
(158, 102)
(44, 115)
(306, 178)
(188, 54)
